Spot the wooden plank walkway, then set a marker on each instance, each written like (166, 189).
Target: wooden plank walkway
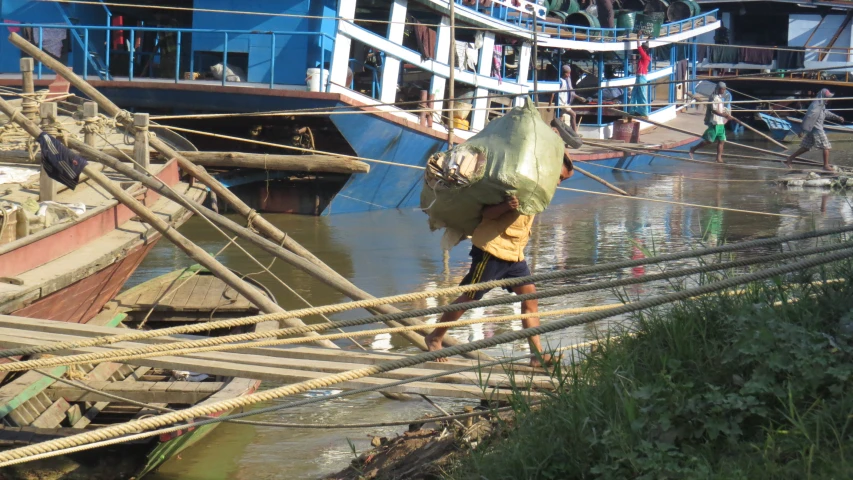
(286, 365)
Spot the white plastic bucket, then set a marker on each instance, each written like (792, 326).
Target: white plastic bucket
(314, 81)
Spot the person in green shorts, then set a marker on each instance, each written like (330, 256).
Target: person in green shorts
(716, 116)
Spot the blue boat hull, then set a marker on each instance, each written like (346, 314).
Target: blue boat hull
(399, 152)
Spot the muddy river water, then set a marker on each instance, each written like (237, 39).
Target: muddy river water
(392, 251)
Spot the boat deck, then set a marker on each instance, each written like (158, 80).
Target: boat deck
(689, 119)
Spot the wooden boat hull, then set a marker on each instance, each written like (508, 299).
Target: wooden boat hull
(69, 274)
(68, 304)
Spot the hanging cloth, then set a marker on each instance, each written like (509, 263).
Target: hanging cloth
(60, 163)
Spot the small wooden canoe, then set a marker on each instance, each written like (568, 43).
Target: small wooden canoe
(35, 408)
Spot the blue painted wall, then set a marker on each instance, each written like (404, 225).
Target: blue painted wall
(293, 53)
(29, 11)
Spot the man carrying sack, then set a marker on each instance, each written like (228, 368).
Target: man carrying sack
(498, 253)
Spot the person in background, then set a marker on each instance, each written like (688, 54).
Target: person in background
(812, 133)
(639, 99)
(497, 253)
(565, 96)
(606, 16)
(716, 116)
(721, 35)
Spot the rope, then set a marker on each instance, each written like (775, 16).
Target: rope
(724, 180)
(275, 408)
(683, 204)
(288, 147)
(372, 109)
(410, 297)
(222, 343)
(250, 219)
(134, 426)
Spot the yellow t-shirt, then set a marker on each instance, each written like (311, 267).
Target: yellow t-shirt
(504, 237)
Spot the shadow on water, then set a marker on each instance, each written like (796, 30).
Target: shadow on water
(391, 252)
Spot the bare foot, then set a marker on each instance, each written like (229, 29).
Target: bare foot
(434, 344)
(720, 160)
(690, 152)
(788, 163)
(550, 360)
(828, 168)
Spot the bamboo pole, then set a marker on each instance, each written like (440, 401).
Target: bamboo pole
(687, 132)
(194, 251)
(763, 135)
(602, 181)
(321, 270)
(222, 221)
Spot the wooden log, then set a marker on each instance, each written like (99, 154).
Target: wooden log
(296, 163)
(321, 270)
(602, 181)
(194, 251)
(142, 161)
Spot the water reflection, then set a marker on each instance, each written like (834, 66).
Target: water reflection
(391, 252)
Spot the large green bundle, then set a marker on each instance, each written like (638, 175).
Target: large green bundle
(517, 154)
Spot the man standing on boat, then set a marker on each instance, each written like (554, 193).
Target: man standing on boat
(566, 96)
(497, 253)
(716, 116)
(812, 133)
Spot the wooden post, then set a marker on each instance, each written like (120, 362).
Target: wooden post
(321, 271)
(47, 186)
(29, 106)
(90, 115)
(140, 147)
(423, 105)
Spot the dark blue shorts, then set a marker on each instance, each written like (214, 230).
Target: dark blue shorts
(485, 268)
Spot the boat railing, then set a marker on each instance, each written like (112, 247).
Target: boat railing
(510, 11)
(323, 41)
(521, 19)
(412, 57)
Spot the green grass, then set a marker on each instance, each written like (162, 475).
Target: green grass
(723, 387)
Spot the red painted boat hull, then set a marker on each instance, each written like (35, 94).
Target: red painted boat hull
(82, 300)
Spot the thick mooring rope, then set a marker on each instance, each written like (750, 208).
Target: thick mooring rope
(135, 426)
(219, 343)
(408, 297)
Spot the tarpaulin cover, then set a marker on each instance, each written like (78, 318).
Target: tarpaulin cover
(517, 154)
